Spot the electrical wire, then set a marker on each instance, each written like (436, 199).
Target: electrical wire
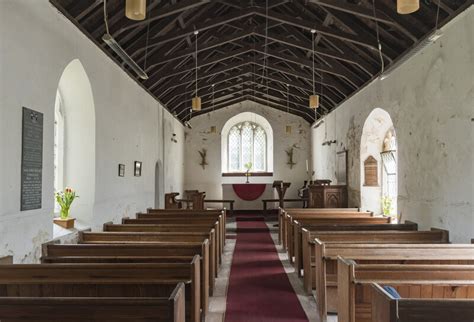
(378, 38)
(106, 17)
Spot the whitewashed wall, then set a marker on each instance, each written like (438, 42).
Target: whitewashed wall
(211, 180)
(430, 99)
(36, 44)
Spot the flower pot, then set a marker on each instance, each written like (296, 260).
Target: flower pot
(67, 223)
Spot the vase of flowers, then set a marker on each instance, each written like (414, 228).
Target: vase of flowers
(64, 200)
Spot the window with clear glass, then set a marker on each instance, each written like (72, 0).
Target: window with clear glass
(247, 142)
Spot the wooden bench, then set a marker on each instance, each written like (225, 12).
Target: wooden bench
(178, 218)
(326, 256)
(309, 226)
(286, 220)
(354, 282)
(109, 227)
(52, 252)
(95, 309)
(282, 212)
(386, 308)
(104, 280)
(334, 218)
(267, 201)
(363, 237)
(152, 237)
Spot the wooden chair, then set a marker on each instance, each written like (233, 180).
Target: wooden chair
(171, 202)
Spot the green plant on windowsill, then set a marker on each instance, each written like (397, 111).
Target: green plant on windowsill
(387, 208)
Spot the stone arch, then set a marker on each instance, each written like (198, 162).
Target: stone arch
(373, 144)
(78, 161)
(242, 117)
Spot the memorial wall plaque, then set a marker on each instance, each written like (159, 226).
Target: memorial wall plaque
(31, 160)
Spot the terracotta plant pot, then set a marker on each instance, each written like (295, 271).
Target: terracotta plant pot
(65, 223)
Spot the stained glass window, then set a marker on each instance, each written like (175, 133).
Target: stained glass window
(247, 142)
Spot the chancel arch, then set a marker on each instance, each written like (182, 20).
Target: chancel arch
(74, 144)
(378, 157)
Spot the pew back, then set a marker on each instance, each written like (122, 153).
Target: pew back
(355, 280)
(95, 309)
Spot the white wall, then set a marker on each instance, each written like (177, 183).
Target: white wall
(430, 99)
(129, 124)
(210, 180)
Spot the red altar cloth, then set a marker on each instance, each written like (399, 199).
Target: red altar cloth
(249, 191)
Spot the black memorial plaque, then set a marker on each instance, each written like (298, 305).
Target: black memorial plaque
(31, 160)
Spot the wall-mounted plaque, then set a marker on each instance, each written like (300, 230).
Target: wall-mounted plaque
(121, 170)
(371, 172)
(137, 168)
(31, 160)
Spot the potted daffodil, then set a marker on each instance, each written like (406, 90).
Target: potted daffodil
(64, 200)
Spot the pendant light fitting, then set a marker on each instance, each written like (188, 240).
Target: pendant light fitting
(135, 9)
(313, 99)
(196, 102)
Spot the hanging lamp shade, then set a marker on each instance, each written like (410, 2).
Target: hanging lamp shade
(135, 9)
(196, 103)
(314, 101)
(407, 6)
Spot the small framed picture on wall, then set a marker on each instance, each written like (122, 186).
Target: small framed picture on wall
(121, 170)
(138, 169)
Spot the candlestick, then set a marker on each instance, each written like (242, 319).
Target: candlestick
(307, 167)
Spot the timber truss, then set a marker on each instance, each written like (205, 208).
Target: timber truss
(248, 50)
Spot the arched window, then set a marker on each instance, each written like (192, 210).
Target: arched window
(247, 143)
(58, 147)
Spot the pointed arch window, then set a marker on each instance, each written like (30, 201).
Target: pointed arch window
(247, 142)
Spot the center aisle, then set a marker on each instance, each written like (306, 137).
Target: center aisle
(259, 289)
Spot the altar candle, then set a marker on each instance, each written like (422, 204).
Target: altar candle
(307, 168)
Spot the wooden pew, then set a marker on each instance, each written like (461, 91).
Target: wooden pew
(141, 251)
(283, 211)
(386, 308)
(355, 281)
(349, 218)
(326, 256)
(109, 227)
(184, 219)
(104, 280)
(220, 213)
(288, 221)
(363, 237)
(95, 309)
(152, 237)
(309, 226)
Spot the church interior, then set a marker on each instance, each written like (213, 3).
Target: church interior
(237, 161)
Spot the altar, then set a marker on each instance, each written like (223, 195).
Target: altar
(248, 196)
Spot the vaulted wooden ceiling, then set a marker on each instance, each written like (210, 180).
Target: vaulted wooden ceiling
(250, 51)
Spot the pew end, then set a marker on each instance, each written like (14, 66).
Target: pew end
(6, 259)
(106, 224)
(444, 232)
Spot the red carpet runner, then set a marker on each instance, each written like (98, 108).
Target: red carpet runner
(259, 289)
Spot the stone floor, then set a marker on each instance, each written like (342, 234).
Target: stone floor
(217, 303)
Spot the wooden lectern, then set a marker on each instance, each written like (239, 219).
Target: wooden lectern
(281, 188)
